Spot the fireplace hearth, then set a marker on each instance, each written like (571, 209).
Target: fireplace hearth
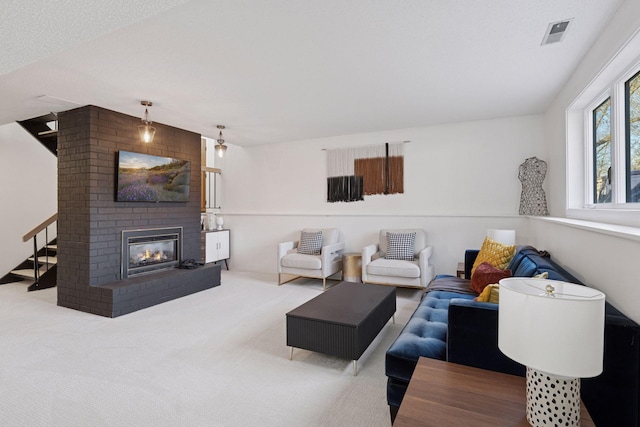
(150, 250)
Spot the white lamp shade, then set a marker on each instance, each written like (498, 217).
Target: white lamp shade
(506, 237)
(561, 335)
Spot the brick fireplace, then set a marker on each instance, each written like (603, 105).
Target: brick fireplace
(91, 223)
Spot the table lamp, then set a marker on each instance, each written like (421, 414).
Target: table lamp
(555, 329)
(506, 237)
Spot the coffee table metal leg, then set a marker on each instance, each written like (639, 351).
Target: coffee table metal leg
(291, 354)
(355, 368)
(394, 318)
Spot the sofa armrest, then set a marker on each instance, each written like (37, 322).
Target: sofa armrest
(426, 271)
(472, 337)
(368, 253)
(283, 248)
(327, 252)
(470, 256)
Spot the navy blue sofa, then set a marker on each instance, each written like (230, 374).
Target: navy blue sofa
(449, 325)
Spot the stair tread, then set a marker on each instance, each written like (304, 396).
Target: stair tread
(27, 273)
(43, 259)
(52, 246)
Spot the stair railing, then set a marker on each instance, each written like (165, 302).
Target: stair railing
(33, 234)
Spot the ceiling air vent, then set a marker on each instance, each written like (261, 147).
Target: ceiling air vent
(555, 32)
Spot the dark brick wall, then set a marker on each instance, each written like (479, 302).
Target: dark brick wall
(90, 222)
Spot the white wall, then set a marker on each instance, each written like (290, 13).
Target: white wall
(29, 176)
(600, 260)
(460, 179)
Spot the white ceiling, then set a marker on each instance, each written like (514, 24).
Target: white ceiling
(287, 70)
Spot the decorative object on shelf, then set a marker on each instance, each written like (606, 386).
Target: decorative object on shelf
(146, 131)
(211, 221)
(355, 172)
(555, 329)
(219, 222)
(533, 200)
(220, 148)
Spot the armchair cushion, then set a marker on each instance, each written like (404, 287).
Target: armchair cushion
(401, 246)
(329, 235)
(310, 243)
(394, 267)
(297, 260)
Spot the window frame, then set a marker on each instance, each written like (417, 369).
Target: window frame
(616, 90)
(627, 134)
(590, 195)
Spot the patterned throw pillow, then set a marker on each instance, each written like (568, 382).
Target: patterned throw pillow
(495, 253)
(400, 246)
(310, 243)
(487, 274)
(491, 293)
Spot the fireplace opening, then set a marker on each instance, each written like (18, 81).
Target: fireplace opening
(150, 250)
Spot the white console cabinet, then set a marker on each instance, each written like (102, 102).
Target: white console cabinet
(217, 246)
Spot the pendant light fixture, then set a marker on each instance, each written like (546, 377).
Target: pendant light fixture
(147, 132)
(220, 148)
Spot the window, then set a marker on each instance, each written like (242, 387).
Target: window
(632, 131)
(615, 145)
(602, 135)
(602, 152)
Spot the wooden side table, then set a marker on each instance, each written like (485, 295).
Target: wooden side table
(447, 394)
(460, 270)
(352, 267)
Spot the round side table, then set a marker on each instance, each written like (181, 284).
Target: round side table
(352, 267)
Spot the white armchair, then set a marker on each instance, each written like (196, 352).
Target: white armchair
(415, 273)
(321, 266)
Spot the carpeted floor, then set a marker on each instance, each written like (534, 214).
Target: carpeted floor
(215, 358)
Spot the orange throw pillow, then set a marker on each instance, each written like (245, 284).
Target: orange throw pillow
(487, 274)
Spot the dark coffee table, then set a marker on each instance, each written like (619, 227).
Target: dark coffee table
(342, 321)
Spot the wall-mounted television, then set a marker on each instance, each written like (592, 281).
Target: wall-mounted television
(146, 178)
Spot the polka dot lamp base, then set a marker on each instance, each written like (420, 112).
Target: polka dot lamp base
(552, 400)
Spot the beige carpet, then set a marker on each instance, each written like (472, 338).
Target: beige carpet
(215, 358)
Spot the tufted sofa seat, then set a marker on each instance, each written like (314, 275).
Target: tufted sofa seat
(425, 334)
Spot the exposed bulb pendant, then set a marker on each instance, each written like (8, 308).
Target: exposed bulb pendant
(220, 148)
(146, 131)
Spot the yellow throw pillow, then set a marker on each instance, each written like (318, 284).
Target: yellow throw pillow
(491, 293)
(495, 253)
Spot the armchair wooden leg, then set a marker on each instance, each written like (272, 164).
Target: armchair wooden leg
(280, 282)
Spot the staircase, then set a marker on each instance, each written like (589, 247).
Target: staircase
(40, 269)
(46, 267)
(40, 129)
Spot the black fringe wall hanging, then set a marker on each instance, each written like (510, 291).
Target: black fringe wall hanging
(355, 172)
